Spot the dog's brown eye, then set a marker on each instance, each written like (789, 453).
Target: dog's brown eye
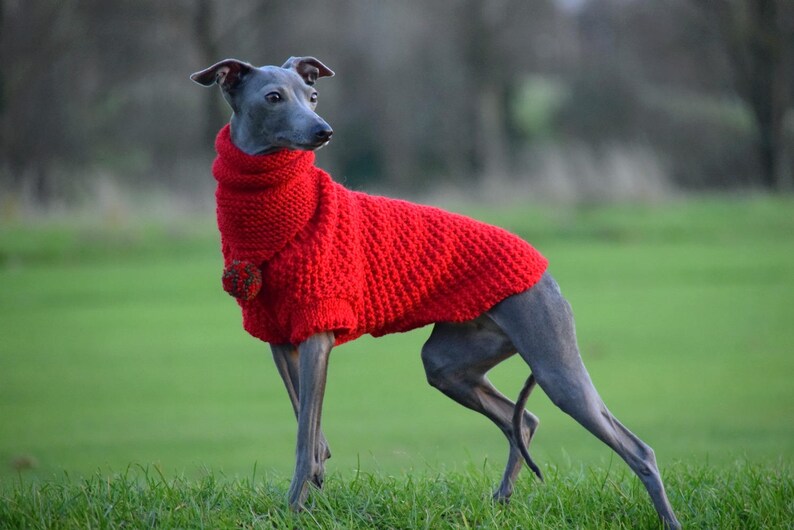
(313, 98)
(273, 97)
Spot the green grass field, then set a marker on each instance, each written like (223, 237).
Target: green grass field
(738, 496)
(118, 347)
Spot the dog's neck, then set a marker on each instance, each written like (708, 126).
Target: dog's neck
(234, 167)
(246, 142)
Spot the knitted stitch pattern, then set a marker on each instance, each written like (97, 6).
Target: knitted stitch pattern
(337, 260)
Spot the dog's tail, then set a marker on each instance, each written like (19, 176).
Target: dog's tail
(518, 425)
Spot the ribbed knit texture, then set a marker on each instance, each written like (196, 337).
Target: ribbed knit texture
(343, 261)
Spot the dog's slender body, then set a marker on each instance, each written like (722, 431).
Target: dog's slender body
(273, 109)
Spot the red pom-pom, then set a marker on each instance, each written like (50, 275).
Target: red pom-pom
(242, 279)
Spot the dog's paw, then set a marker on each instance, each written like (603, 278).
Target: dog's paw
(242, 279)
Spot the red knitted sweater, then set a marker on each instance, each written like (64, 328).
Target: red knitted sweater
(336, 260)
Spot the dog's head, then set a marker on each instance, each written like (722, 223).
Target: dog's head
(272, 107)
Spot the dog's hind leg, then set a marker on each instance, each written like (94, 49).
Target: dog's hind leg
(540, 323)
(286, 359)
(456, 358)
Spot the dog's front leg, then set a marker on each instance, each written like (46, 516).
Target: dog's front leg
(286, 359)
(313, 356)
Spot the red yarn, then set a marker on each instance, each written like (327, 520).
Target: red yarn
(337, 260)
(242, 279)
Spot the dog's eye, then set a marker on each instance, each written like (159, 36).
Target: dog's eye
(273, 97)
(313, 98)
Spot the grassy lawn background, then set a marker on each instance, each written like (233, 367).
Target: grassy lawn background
(118, 346)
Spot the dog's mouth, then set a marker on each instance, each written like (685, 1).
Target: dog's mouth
(292, 144)
(313, 146)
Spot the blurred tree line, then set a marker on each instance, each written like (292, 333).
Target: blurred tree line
(690, 94)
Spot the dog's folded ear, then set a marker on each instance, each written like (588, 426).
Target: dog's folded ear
(309, 68)
(227, 73)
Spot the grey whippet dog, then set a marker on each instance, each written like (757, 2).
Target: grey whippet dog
(274, 108)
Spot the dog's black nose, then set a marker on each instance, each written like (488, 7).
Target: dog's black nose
(324, 134)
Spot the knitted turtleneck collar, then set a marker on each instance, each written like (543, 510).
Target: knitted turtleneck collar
(263, 200)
